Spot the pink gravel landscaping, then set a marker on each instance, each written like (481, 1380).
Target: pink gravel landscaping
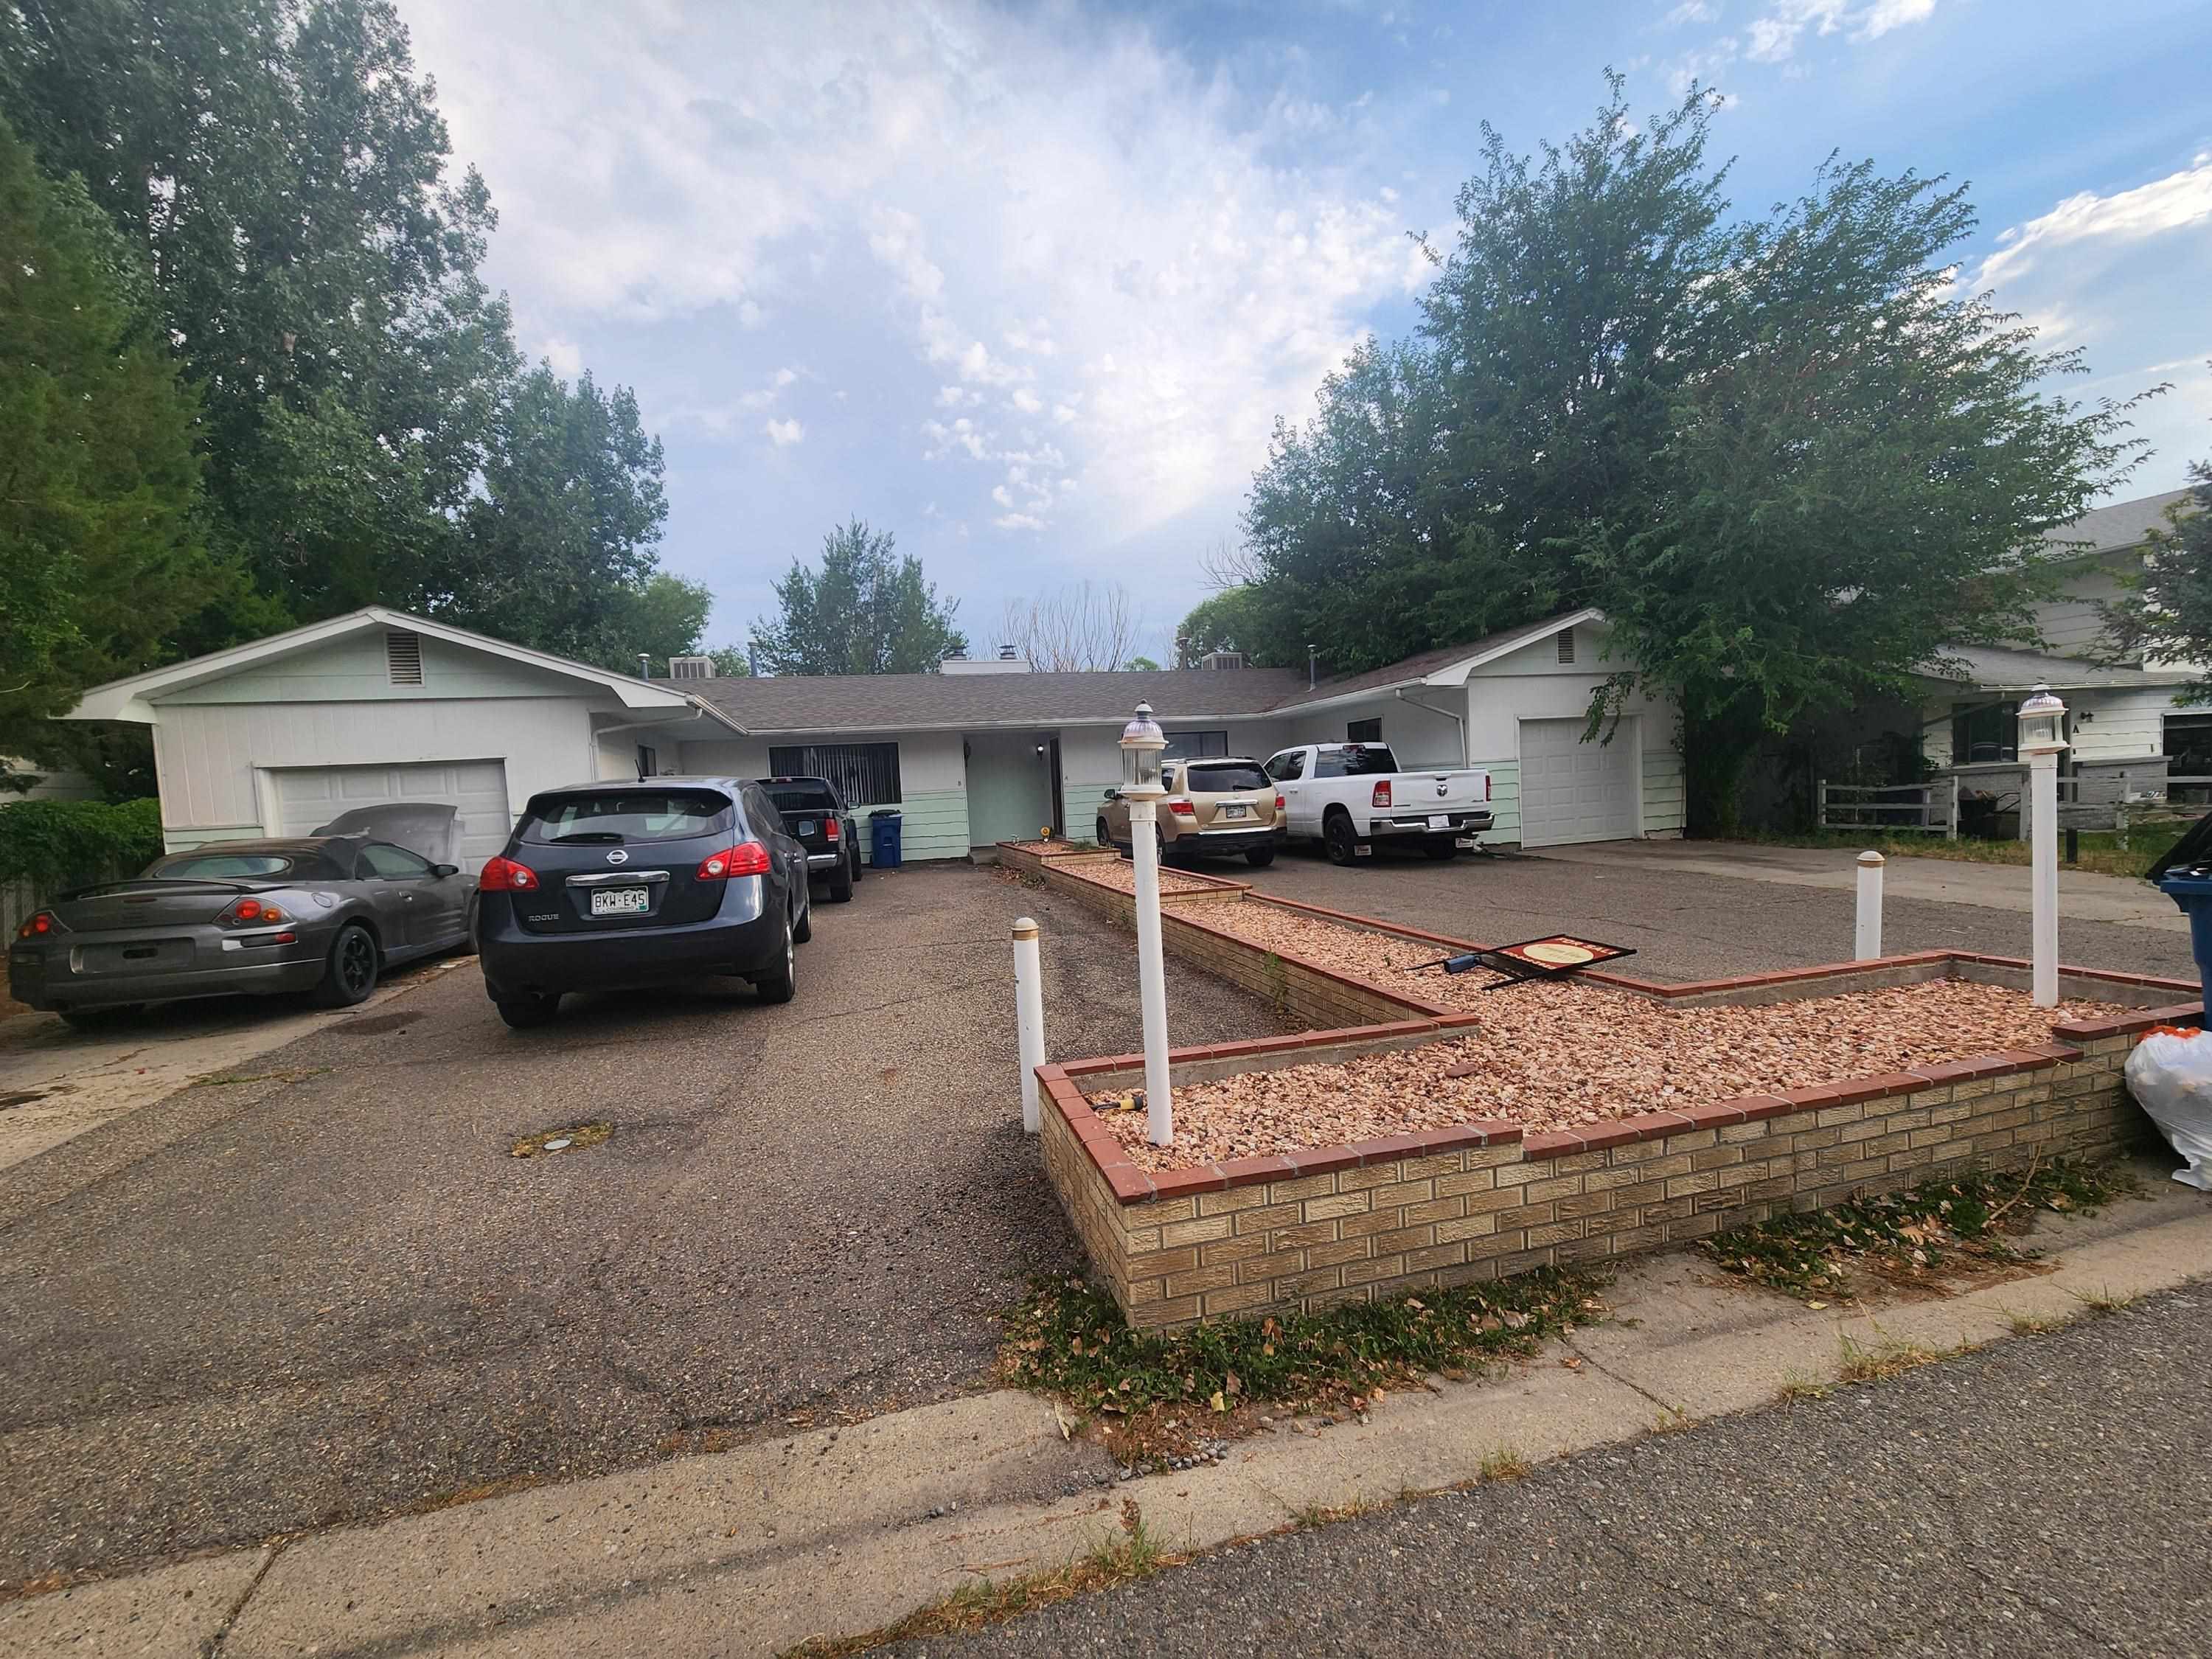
(1122, 874)
(1052, 848)
(1551, 1056)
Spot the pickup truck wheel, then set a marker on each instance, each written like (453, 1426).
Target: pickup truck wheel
(1338, 838)
(841, 884)
(1104, 838)
(1440, 847)
(1259, 857)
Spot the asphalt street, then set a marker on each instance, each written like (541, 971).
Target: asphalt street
(332, 1293)
(2048, 1495)
(1683, 924)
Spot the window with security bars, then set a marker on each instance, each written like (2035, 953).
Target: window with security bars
(865, 773)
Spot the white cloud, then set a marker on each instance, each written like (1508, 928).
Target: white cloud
(566, 356)
(1018, 521)
(1030, 199)
(2123, 277)
(1692, 11)
(1775, 36)
(784, 433)
(954, 396)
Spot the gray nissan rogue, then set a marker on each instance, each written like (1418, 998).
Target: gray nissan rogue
(604, 886)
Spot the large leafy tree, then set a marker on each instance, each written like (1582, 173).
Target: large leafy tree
(101, 553)
(1787, 456)
(864, 611)
(2166, 614)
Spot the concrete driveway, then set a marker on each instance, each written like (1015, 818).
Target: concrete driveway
(1693, 913)
(57, 1082)
(332, 1294)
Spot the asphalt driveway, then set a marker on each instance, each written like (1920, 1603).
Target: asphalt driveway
(1685, 922)
(331, 1292)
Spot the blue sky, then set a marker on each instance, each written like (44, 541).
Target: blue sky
(1029, 286)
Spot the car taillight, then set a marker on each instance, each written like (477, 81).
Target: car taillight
(830, 831)
(1382, 795)
(41, 926)
(747, 858)
(1280, 803)
(506, 876)
(251, 913)
(1485, 786)
(1182, 809)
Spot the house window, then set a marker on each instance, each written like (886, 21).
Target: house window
(1364, 730)
(2188, 745)
(1567, 646)
(402, 657)
(648, 761)
(1984, 732)
(865, 773)
(1190, 745)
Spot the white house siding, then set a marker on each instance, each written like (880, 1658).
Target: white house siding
(1418, 736)
(1089, 765)
(1663, 792)
(932, 779)
(2124, 721)
(2071, 625)
(354, 669)
(215, 757)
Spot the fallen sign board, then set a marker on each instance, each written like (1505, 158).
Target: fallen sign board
(1554, 956)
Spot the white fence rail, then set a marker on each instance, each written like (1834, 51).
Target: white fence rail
(1930, 808)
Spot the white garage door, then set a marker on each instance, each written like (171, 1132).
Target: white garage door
(308, 797)
(1574, 791)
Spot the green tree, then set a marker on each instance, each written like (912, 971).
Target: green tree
(1227, 621)
(664, 619)
(732, 662)
(1858, 473)
(866, 610)
(1144, 665)
(101, 555)
(2166, 614)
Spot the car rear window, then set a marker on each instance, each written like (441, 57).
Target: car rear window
(1354, 760)
(800, 797)
(236, 867)
(1221, 777)
(626, 815)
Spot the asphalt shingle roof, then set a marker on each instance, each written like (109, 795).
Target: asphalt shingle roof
(875, 702)
(1996, 668)
(2123, 524)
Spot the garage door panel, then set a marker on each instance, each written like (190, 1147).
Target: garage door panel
(308, 797)
(1572, 791)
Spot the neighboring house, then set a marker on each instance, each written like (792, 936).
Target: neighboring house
(48, 783)
(279, 736)
(2120, 718)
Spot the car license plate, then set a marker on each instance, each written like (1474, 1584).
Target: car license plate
(1234, 812)
(805, 827)
(1439, 820)
(619, 902)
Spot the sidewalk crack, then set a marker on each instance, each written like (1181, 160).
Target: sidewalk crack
(214, 1643)
(1598, 1365)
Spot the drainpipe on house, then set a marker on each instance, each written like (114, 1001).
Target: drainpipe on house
(1460, 721)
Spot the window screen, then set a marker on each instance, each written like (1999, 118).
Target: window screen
(1988, 732)
(865, 774)
(1189, 745)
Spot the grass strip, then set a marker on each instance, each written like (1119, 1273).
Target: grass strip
(1955, 1221)
(1067, 1339)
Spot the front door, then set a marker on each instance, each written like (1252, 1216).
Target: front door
(1009, 796)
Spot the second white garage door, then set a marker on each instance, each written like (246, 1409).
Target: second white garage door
(308, 797)
(1574, 791)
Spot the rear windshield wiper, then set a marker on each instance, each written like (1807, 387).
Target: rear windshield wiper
(600, 835)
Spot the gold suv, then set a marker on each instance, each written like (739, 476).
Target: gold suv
(1212, 805)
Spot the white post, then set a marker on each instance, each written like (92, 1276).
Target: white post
(1867, 943)
(2043, 855)
(1029, 1005)
(1151, 974)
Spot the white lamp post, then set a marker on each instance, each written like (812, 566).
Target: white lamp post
(1142, 740)
(2041, 721)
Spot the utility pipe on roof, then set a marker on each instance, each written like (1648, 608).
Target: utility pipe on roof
(1460, 721)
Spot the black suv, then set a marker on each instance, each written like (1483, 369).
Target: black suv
(608, 885)
(818, 819)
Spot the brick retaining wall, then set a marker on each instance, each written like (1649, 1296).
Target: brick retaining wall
(1480, 1199)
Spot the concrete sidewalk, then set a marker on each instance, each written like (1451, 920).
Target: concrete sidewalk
(2082, 895)
(838, 1532)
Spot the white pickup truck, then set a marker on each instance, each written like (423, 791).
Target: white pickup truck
(1350, 795)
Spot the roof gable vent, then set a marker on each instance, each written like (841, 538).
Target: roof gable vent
(1567, 646)
(402, 657)
(691, 668)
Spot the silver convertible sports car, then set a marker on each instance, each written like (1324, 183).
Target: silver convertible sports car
(324, 915)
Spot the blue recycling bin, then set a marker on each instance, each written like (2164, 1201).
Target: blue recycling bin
(2192, 889)
(885, 826)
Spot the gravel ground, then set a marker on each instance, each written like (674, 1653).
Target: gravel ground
(1684, 925)
(1123, 874)
(333, 1294)
(2049, 1495)
(1552, 1056)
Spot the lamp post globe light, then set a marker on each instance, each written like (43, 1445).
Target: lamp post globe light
(1142, 742)
(2042, 724)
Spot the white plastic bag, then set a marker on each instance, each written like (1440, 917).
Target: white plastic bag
(2170, 1078)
